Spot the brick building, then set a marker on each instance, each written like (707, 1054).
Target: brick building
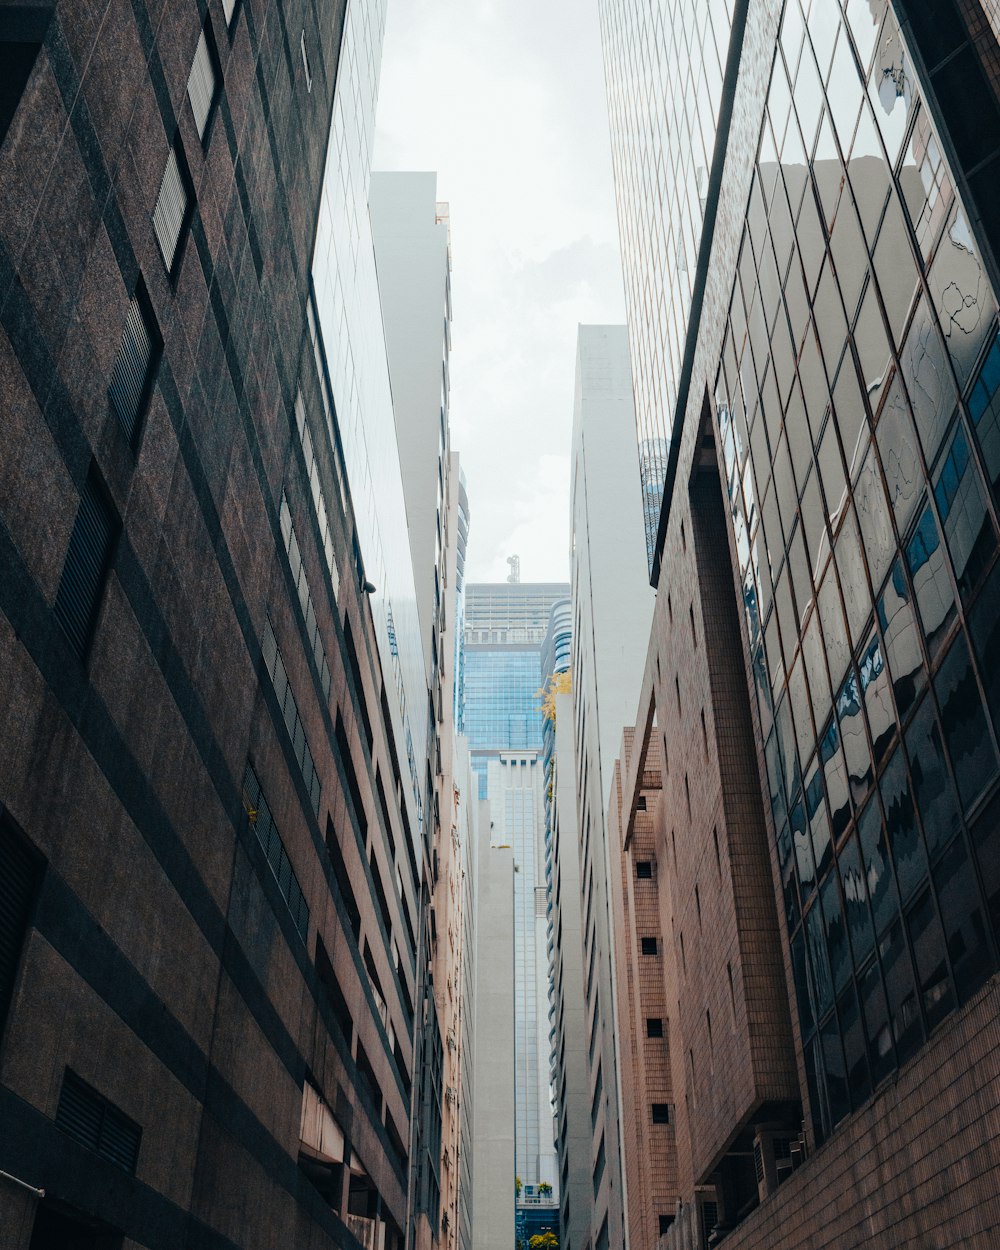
(209, 847)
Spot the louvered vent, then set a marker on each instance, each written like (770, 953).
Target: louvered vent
(18, 882)
(87, 559)
(134, 365)
(89, 1118)
(202, 84)
(171, 209)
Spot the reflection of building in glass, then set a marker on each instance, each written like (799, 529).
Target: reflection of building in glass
(652, 475)
(838, 461)
(664, 63)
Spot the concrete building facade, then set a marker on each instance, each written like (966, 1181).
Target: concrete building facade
(612, 607)
(819, 677)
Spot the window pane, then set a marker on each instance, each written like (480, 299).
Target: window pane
(858, 1080)
(897, 445)
(835, 774)
(964, 723)
(928, 379)
(803, 852)
(806, 1019)
(835, 1069)
(961, 294)
(881, 1057)
(901, 827)
(859, 921)
(984, 408)
(836, 932)
(931, 583)
(962, 915)
(904, 1012)
(852, 734)
(986, 840)
(984, 625)
(875, 690)
(902, 643)
(819, 824)
(962, 508)
(873, 517)
(789, 890)
(817, 959)
(878, 874)
(933, 791)
(929, 956)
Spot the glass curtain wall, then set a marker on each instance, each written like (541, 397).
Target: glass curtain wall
(858, 400)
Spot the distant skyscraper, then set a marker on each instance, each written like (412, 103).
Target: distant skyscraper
(505, 627)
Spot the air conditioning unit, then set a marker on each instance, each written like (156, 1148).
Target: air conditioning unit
(772, 1159)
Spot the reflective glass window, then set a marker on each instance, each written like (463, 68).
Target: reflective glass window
(800, 976)
(984, 408)
(815, 662)
(900, 456)
(850, 256)
(835, 775)
(852, 1033)
(852, 422)
(835, 1070)
(873, 348)
(819, 823)
(904, 837)
(986, 840)
(816, 942)
(925, 183)
(873, 517)
(927, 940)
(859, 921)
(902, 643)
(984, 625)
(852, 734)
(931, 583)
(869, 174)
(828, 172)
(928, 378)
(881, 1058)
(875, 692)
(836, 932)
(878, 873)
(895, 268)
(961, 294)
(904, 1008)
(853, 579)
(961, 505)
(831, 468)
(803, 851)
(891, 87)
(963, 721)
(789, 890)
(775, 781)
(933, 790)
(963, 919)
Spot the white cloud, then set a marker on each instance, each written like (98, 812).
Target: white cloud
(505, 99)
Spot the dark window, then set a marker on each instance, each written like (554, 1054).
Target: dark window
(929, 957)
(203, 82)
(135, 365)
(654, 1026)
(259, 815)
(649, 945)
(964, 723)
(644, 869)
(19, 877)
(343, 879)
(57, 1229)
(661, 1113)
(96, 1123)
(352, 656)
(88, 558)
(353, 789)
(599, 1166)
(333, 993)
(666, 1222)
(21, 33)
(172, 211)
(964, 923)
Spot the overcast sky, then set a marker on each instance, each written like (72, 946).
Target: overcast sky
(505, 99)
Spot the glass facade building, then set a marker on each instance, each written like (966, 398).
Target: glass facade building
(665, 63)
(858, 399)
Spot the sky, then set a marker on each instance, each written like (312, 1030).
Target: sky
(505, 99)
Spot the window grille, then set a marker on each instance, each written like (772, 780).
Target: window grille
(18, 882)
(170, 213)
(89, 1118)
(135, 364)
(87, 561)
(203, 82)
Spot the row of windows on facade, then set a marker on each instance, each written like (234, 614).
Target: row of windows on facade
(889, 869)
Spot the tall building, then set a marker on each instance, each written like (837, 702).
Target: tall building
(505, 626)
(210, 806)
(612, 609)
(820, 681)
